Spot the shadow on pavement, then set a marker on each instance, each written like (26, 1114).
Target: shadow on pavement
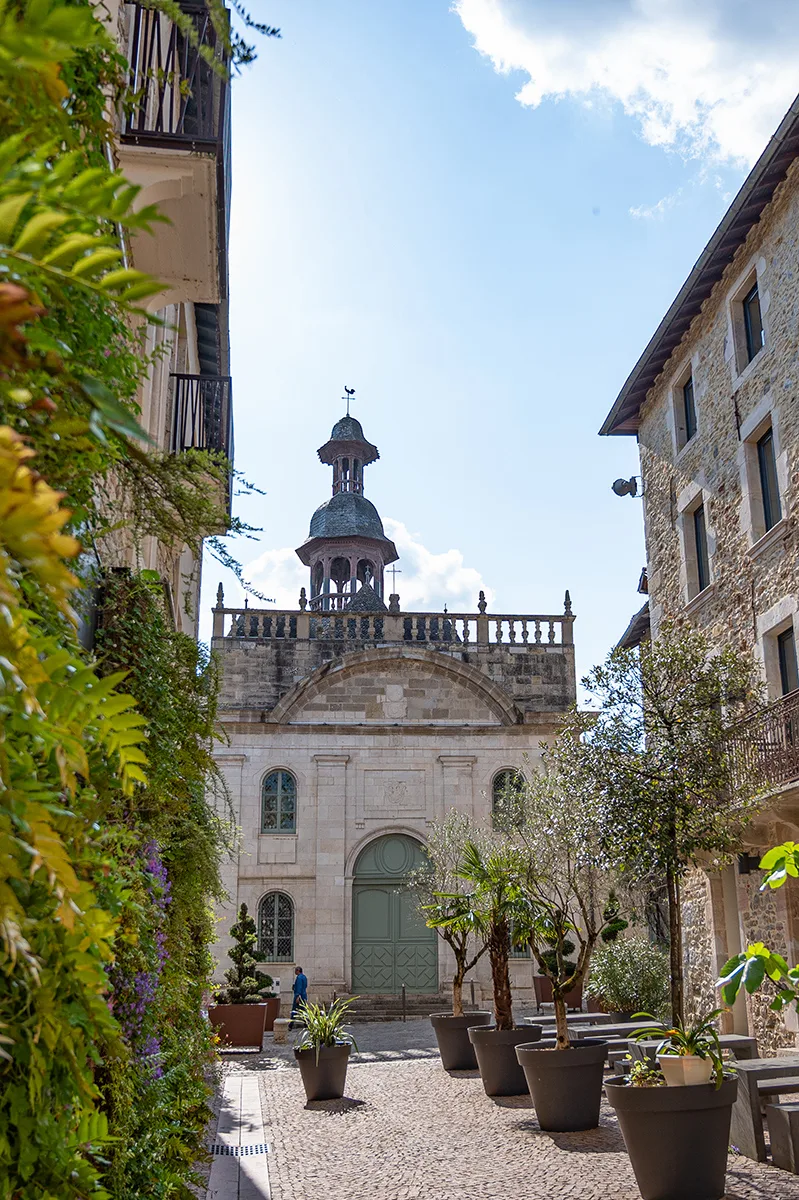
(335, 1107)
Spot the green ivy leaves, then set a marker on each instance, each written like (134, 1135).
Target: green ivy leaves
(61, 222)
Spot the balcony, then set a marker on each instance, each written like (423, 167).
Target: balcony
(203, 414)
(175, 144)
(765, 746)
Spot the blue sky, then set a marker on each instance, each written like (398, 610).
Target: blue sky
(481, 241)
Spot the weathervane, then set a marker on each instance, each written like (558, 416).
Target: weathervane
(349, 393)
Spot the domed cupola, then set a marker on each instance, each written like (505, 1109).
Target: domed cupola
(346, 547)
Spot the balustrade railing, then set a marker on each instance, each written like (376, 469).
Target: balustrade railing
(436, 629)
(765, 746)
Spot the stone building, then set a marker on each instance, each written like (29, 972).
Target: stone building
(714, 404)
(174, 143)
(353, 725)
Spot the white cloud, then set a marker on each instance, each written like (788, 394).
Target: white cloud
(426, 581)
(709, 78)
(656, 212)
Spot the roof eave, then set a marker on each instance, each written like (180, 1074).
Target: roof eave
(744, 212)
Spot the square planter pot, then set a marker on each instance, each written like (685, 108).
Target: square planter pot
(495, 1050)
(566, 1085)
(676, 1137)
(685, 1070)
(452, 1035)
(324, 1077)
(239, 1024)
(543, 993)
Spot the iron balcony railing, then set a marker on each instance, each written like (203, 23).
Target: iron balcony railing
(179, 98)
(765, 746)
(181, 101)
(202, 414)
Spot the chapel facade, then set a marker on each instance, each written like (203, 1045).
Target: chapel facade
(351, 727)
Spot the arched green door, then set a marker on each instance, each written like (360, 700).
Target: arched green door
(391, 944)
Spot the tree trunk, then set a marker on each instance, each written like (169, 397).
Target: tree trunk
(500, 978)
(675, 946)
(561, 1024)
(457, 989)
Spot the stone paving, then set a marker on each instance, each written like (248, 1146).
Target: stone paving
(408, 1131)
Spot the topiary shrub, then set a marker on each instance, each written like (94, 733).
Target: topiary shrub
(245, 983)
(630, 975)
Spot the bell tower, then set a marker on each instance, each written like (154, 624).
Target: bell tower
(346, 548)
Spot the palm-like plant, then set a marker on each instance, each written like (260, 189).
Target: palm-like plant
(325, 1026)
(700, 1039)
(444, 901)
(494, 909)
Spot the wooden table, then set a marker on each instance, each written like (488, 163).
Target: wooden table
(741, 1046)
(746, 1131)
(624, 1030)
(573, 1019)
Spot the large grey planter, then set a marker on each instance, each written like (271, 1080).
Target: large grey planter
(452, 1035)
(676, 1137)
(323, 1078)
(566, 1085)
(495, 1050)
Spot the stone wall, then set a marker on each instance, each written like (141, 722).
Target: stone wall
(701, 995)
(258, 674)
(753, 590)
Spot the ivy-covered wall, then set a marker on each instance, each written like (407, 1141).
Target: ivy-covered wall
(110, 853)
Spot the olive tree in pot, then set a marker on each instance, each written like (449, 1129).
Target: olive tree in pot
(677, 1135)
(447, 907)
(490, 865)
(323, 1050)
(565, 887)
(241, 1007)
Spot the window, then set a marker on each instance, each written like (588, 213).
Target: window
(689, 408)
(279, 803)
(769, 491)
(700, 546)
(753, 323)
(517, 949)
(276, 927)
(786, 651)
(505, 792)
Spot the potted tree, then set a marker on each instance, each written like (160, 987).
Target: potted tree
(630, 975)
(323, 1050)
(241, 1007)
(564, 884)
(674, 794)
(447, 907)
(489, 864)
(677, 1130)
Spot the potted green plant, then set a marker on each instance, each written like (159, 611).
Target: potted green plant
(542, 984)
(240, 1010)
(677, 1134)
(489, 865)
(564, 885)
(630, 975)
(323, 1050)
(446, 907)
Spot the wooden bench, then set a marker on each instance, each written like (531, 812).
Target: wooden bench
(783, 1131)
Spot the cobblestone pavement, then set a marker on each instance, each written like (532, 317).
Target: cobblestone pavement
(409, 1131)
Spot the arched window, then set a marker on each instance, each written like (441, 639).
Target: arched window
(279, 803)
(505, 793)
(276, 927)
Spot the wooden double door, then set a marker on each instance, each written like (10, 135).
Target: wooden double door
(391, 944)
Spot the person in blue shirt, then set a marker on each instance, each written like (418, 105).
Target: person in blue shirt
(300, 991)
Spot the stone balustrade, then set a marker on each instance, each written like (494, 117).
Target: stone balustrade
(439, 629)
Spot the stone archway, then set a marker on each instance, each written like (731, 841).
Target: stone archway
(391, 945)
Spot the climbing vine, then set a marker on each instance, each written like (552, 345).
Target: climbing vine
(110, 842)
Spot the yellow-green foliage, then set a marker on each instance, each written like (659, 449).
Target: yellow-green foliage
(103, 762)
